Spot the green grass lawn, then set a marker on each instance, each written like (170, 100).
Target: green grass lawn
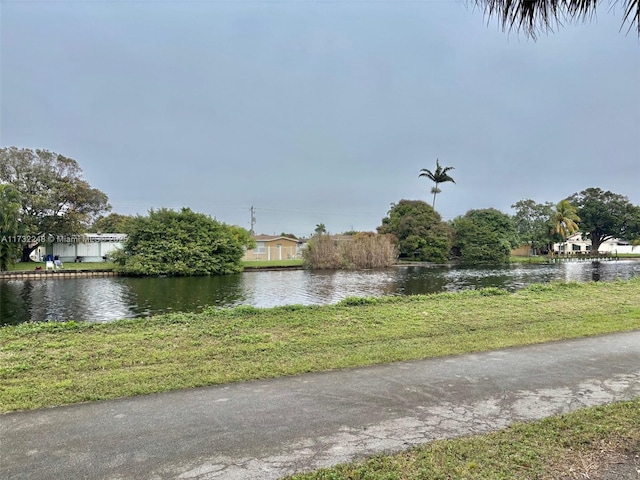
(29, 266)
(521, 259)
(247, 264)
(272, 263)
(47, 364)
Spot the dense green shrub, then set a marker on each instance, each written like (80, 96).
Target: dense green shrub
(421, 233)
(181, 243)
(484, 236)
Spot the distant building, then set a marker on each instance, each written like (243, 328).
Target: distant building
(272, 247)
(577, 245)
(87, 247)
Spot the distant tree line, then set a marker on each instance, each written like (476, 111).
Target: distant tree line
(488, 235)
(43, 193)
(599, 215)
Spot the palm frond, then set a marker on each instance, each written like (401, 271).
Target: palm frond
(535, 16)
(427, 173)
(445, 178)
(632, 15)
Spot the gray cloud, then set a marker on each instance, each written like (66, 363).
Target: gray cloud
(318, 112)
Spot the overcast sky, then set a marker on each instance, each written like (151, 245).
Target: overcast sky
(319, 112)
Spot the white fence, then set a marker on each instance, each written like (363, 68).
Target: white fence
(268, 253)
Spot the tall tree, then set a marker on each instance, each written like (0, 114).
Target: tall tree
(606, 215)
(564, 221)
(55, 199)
(421, 233)
(439, 175)
(320, 229)
(535, 16)
(532, 222)
(9, 225)
(112, 223)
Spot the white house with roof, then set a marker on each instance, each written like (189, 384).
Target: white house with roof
(576, 244)
(86, 247)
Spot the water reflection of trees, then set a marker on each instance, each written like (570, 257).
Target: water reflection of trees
(184, 294)
(595, 272)
(57, 299)
(13, 307)
(273, 288)
(420, 280)
(27, 301)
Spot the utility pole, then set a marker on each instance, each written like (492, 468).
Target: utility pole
(253, 219)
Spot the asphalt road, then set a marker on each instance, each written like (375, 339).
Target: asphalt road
(267, 429)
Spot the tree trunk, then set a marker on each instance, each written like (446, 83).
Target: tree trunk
(435, 192)
(26, 251)
(596, 241)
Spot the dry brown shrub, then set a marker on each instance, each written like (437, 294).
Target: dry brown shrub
(364, 250)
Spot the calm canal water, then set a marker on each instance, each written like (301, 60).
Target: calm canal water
(107, 299)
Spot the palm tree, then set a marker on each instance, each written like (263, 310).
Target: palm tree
(564, 220)
(534, 16)
(438, 176)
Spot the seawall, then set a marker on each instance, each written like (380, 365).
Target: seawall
(51, 274)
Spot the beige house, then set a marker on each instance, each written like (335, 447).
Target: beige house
(522, 251)
(271, 247)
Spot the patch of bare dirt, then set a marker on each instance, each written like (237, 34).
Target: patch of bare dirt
(626, 467)
(606, 465)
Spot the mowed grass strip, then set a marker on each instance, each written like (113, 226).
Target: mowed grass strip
(578, 445)
(48, 364)
(31, 266)
(272, 263)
